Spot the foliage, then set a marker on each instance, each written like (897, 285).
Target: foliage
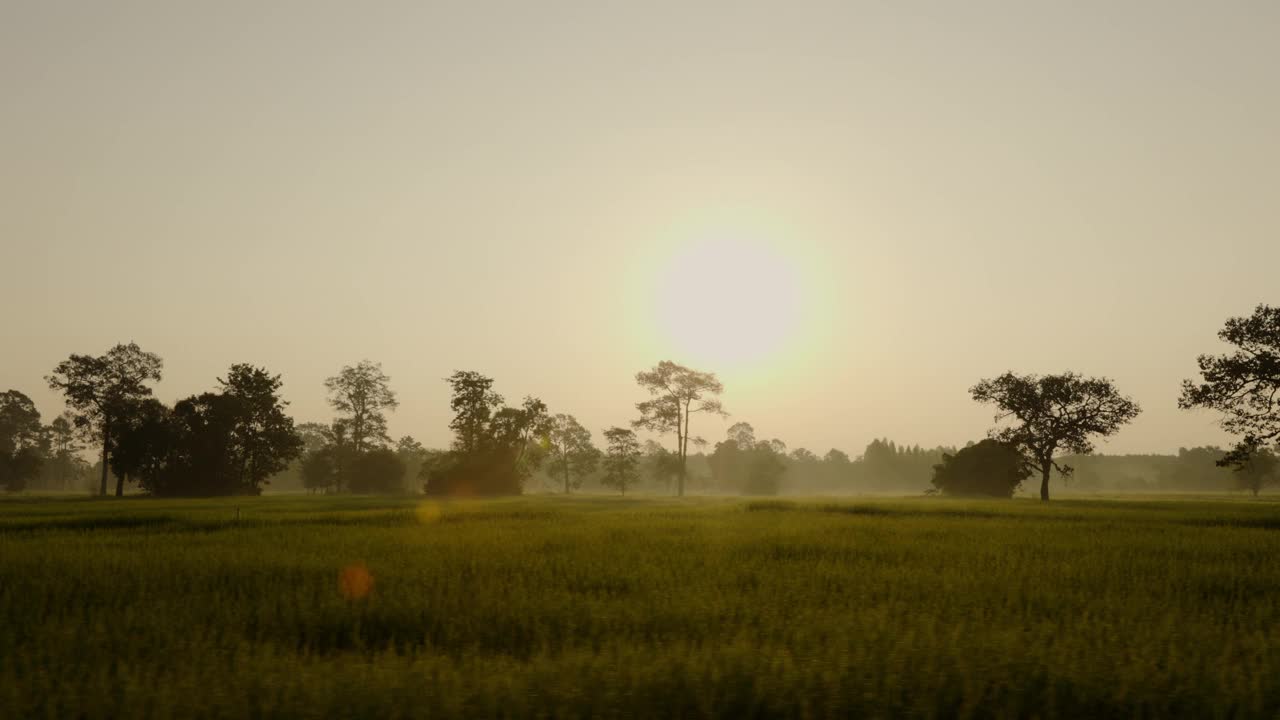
(22, 441)
(988, 468)
(101, 391)
(362, 394)
(494, 449)
(1257, 469)
(622, 459)
(571, 456)
(1054, 414)
(1245, 385)
(746, 465)
(379, 471)
(677, 393)
(215, 443)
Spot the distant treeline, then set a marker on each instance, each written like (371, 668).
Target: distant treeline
(238, 437)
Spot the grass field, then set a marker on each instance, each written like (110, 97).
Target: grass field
(600, 607)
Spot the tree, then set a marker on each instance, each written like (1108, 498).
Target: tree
(64, 441)
(263, 438)
(101, 390)
(677, 394)
(622, 459)
(22, 440)
(378, 471)
(1257, 469)
(990, 468)
(319, 470)
(1244, 385)
(363, 394)
(572, 456)
(494, 450)
(1054, 414)
(765, 469)
(145, 446)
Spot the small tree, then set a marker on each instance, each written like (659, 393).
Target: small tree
(363, 395)
(1054, 414)
(571, 454)
(989, 468)
(677, 394)
(622, 459)
(1244, 385)
(101, 391)
(1257, 469)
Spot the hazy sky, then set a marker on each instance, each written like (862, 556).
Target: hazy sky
(852, 210)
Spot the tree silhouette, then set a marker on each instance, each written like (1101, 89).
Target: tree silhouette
(1244, 385)
(22, 440)
(1052, 414)
(363, 394)
(678, 393)
(102, 390)
(622, 459)
(494, 450)
(571, 455)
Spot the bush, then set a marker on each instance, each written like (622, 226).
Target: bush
(988, 468)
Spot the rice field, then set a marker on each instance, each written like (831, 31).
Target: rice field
(324, 607)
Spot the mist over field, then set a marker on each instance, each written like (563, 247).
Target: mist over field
(704, 359)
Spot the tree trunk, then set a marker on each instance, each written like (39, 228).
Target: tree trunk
(566, 476)
(120, 485)
(1045, 468)
(106, 442)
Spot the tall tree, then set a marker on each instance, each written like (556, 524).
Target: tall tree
(572, 456)
(622, 459)
(1054, 414)
(264, 439)
(677, 394)
(1244, 385)
(363, 394)
(101, 391)
(22, 440)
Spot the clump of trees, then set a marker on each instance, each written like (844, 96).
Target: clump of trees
(754, 467)
(103, 391)
(224, 442)
(990, 467)
(354, 452)
(495, 447)
(23, 442)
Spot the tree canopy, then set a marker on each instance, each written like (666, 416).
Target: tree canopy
(1243, 385)
(1053, 414)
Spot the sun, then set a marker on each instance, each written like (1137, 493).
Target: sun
(729, 302)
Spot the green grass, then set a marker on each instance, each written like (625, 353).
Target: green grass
(600, 607)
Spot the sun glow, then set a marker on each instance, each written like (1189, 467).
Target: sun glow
(729, 302)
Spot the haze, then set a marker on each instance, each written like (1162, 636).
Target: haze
(866, 206)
